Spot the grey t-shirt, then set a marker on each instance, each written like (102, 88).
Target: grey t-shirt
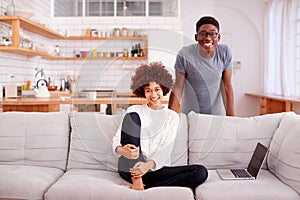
(202, 89)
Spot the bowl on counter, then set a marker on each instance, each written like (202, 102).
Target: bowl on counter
(52, 88)
(24, 13)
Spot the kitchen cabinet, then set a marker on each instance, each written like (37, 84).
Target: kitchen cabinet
(18, 23)
(53, 104)
(32, 108)
(274, 103)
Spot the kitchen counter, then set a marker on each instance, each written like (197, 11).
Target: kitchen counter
(274, 103)
(31, 104)
(52, 104)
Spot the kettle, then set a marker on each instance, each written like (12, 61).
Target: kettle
(41, 89)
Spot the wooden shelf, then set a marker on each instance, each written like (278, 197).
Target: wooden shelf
(29, 52)
(111, 58)
(31, 26)
(106, 38)
(18, 22)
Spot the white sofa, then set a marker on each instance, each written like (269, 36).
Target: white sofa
(68, 156)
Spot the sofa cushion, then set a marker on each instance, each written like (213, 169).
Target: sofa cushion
(39, 139)
(179, 154)
(91, 141)
(224, 142)
(26, 182)
(284, 156)
(267, 186)
(98, 184)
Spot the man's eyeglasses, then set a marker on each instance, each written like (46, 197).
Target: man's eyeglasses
(204, 34)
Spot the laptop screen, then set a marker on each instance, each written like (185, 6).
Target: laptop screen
(257, 159)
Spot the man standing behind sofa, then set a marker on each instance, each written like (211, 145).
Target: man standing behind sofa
(201, 69)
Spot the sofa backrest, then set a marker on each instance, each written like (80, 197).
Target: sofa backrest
(225, 142)
(284, 156)
(91, 141)
(37, 139)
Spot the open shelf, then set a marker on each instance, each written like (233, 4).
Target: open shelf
(45, 55)
(17, 23)
(39, 29)
(106, 38)
(29, 52)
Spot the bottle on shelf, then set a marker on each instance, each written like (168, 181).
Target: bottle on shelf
(132, 52)
(139, 50)
(1, 92)
(10, 9)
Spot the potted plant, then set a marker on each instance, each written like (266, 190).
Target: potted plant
(5, 40)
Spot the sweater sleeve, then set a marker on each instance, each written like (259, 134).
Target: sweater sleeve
(162, 156)
(116, 141)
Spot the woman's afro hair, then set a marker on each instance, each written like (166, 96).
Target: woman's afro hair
(153, 72)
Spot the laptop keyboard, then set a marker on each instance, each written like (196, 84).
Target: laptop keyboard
(240, 173)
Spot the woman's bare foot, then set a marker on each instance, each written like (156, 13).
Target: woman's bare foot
(137, 183)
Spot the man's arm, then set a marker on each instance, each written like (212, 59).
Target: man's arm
(229, 99)
(176, 93)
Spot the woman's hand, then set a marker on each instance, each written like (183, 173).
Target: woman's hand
(129, 151)
(141, 168)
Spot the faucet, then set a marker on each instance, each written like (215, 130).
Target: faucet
(39, 75)
(41, 72)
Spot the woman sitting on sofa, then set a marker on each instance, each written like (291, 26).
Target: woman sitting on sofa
(146, 137)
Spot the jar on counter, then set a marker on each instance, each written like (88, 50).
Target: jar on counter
(126, 52)
(94, 32)
(130, 33)
(119, 54)
(57, 50)
(10, 9)
(88, 32)
(94, 53)
(107, 54)
(1, 91)
(116, 32)
(100, 54)
(124, 32)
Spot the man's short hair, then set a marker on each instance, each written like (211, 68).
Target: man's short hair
(207, 20)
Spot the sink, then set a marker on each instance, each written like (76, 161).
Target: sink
(104, 93)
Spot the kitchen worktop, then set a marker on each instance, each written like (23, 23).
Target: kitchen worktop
(70, 100)
(52, 104)
(269, 103)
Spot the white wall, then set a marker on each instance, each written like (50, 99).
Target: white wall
(241, 27)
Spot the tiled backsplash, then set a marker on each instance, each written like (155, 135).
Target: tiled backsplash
(91, 73)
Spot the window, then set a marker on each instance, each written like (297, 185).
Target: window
(131, 8)
(281, 42)
(99, 8)
(298, 49)
(166, 8)
(119, 8)
(68, 8)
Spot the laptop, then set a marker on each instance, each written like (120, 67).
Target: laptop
(252, 170)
